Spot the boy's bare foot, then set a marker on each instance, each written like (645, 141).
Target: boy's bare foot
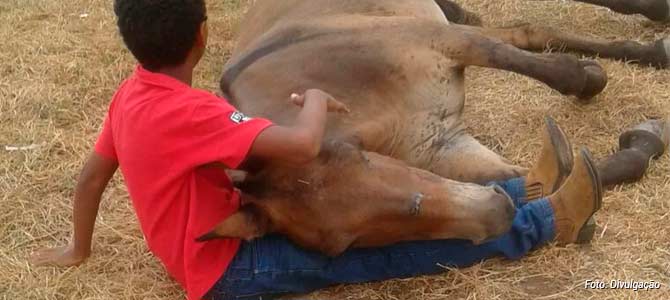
(576, 201)
(554, 164)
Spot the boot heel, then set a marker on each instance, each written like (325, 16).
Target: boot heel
(587, 232)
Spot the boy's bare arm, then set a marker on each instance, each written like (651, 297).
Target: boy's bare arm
(91, 184)
(300, 143)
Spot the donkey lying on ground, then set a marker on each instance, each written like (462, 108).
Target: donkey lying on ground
(401, 166)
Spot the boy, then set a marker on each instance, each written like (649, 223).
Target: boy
(162, 133)
(172, 144)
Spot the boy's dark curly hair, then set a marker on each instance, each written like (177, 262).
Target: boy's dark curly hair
(159, 33)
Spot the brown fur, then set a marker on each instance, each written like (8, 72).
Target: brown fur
(399, 65)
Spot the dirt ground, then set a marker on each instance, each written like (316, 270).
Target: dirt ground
(60, 62)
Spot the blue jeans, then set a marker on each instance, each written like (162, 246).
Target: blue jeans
(273, 266)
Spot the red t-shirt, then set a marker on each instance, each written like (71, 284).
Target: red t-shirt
(162, 131)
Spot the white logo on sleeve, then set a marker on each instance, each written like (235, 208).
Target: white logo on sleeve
(238, 117)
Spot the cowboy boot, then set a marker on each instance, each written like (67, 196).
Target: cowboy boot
(554, 164)
(576, 201)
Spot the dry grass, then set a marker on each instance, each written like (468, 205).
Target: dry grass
(59, 69)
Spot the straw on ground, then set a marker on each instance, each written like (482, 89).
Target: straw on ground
(61, 61)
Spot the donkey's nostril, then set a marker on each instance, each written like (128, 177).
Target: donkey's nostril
(501, 191)
(509, 209)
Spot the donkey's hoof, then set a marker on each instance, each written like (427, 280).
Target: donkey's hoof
(652, 137)
(595, 80)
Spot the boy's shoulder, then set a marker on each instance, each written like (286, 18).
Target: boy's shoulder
(145, 84)
(182, 95)
(204, 102)
(202, 95)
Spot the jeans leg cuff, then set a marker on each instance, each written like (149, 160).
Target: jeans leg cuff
(516, 189)
(544, 212)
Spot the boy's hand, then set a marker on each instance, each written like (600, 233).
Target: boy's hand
(65, 256)
(333, 105)
(97, 172)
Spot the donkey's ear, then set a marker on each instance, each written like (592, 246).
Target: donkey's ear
(246, 224)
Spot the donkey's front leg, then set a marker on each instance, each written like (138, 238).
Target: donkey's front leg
(637, 147)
